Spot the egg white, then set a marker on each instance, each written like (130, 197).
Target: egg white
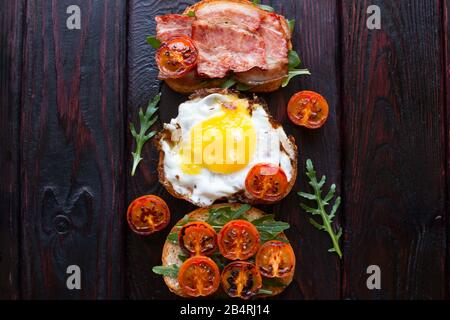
(273, 146)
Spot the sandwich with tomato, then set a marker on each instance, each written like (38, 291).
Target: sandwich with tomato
(231, 250)
(225, 43)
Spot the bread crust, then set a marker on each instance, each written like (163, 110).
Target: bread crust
(244, 197)
(171, 251)
(190, 83)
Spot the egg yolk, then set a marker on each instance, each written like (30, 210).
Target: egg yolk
(222, 144)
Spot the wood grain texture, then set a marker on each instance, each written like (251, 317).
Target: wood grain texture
(446, 42)
(143, 85)
(316, 40)
(72, 149)
(11, 21)
(394, 150)
(320, 53)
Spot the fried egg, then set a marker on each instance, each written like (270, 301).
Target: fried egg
(209, 148)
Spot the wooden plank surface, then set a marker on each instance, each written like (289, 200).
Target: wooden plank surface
(446, 42)
(72, 149)
(394, 150)
(319, 52)
(11, 20)
(144, 253)
(316, 40)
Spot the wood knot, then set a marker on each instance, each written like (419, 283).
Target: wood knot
(62, 224)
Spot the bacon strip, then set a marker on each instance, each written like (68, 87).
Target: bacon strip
(225, 47)
(173, 25)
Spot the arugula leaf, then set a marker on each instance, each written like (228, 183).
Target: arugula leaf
(219, 260)
(294, 73)
(191, 14)
(291, 24)
(228, 84)
(170, 271)
(173, 237)
(155, 43)
(263, 6)
(220, 216)
(265, 291)
(294, 59)
(272, 282)
(182, 257)
(263, 219)
(243, 87)
(147, 120)
(322, 203)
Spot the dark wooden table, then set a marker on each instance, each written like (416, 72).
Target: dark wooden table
(67, 97)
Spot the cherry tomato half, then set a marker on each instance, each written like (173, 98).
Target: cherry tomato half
(198, 238)
(148, 214)
(308, 109)
(241, 279)
(176, 57)
(275, 259)
(267, 182)
(238, 240)
(199, 277)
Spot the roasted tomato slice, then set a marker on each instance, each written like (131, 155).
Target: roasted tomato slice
(275, 259)
(198, 238)
(267, 182)
(148, 214)
(308, 109)
(238, 240)
(199, 276)
(176, 57)
(241, 279)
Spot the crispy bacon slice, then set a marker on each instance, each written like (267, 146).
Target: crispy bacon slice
(226, 47)
(173, 25)
(275, 39)
(240, 14)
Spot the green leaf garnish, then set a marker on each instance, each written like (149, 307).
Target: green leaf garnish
(243, 87)
(182, 257)
(147, 120)
(294, 59)
(228, 83)
(191, 14)
(265, 291)
(294, 73)
(268, 228)
(173, 237)
(263, 6)
(170, 271)
(291, 24)
(273, 282)
(155, 43)
(322, 203)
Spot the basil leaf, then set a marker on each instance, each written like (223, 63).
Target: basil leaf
(170, 271)
(191, 14)
(294, 59)
(294, 73)
(228, 84)
(291, 24)
(155, 43)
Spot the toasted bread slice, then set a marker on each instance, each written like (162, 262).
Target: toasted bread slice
(266, 82)
(171, 251)
(242, 196)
